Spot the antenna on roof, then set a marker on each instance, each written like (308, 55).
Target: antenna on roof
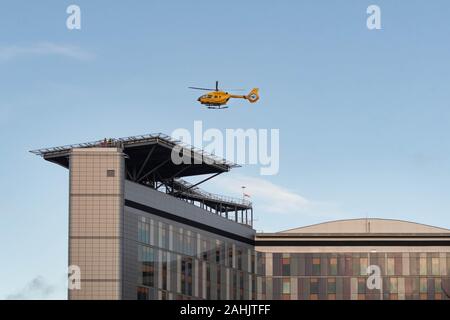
(367, 223)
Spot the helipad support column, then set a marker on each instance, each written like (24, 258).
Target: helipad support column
(95, 221)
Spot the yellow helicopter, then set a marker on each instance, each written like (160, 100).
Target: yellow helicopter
(217, 99)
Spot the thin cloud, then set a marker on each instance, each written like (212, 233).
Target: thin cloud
(272, 199)
(270, 196)
(11, 52)
(37, 288)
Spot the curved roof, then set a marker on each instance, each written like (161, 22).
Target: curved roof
(369, 225)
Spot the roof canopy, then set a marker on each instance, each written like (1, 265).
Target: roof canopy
(149, 153)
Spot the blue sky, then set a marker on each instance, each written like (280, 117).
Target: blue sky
(363, 115)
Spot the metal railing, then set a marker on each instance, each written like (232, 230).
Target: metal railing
(188, 189)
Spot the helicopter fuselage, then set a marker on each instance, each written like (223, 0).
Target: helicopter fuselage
(214, 98)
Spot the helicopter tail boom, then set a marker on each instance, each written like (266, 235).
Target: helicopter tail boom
(252, 96)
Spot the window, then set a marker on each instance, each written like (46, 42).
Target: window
(316, 266)
(219, 282)
(110, 173)
(393, 285)
(286, 265)
(218, 245)
(148, 272)
(263, 285)
(164, 236)
(333, 266)
(234, 288)
(239, 259)
(208, 281)
(286, 286)
(390, 266)
(145, 255)
(223, 253)
(144, 232)
(363, 263)
(361, 286)
(423, 266)
(356, 265)
(448, 263)
(423, 285)
(205, 250)
(314, 286)
(253, 263)
(142, 293)
(314, 289)
(164, 271)
(230, 256)
(348, 266)
(261, 263)
(438, 285)
(437, 289)
(241, 285)
(331, 285)
(253, 296)
(186, 275)
(435, 266)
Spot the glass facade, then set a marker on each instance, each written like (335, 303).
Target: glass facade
(182, 263)
(186, 263)
(330, 276)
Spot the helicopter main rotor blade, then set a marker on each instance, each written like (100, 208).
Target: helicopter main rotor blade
(234, 89)
(196, 88)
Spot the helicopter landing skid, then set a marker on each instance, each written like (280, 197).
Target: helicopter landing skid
(217, 108)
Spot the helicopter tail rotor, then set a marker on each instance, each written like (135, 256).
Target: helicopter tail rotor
(253, 96)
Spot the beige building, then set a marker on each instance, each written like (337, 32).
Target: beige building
(96, 205)
(331, 260)
(139, 230)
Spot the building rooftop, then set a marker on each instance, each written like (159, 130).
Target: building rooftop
(367, 225)
(148, 151)
(148, 161)
(361, 228)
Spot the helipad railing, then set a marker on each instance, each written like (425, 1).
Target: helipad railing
(127, 141)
